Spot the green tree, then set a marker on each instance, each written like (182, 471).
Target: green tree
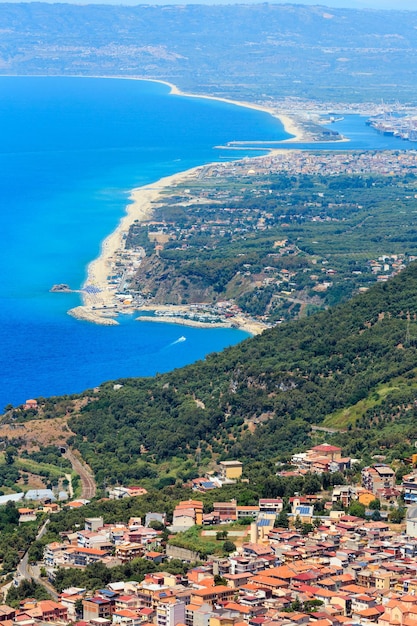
(79, 609)
(311, 605)
(312, 484)
(221, 534)
(298, 523)
(282, 520)
(397, 515)
(26, 589)
(357, 509)
(219, 580)
(10, 454)
(36, 551)
(229, 546)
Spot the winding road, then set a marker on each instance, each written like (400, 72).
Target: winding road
(29, 572)
(26, 571)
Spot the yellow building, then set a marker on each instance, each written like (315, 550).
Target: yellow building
(365, 497)
(231, 470)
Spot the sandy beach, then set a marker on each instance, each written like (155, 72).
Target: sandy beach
(289, 123)
(98, 294)
(99, 304)
(291, 127)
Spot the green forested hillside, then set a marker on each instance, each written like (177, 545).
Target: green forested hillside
(332, 228)
(259, 399)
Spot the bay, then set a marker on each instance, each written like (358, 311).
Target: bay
(71, 149)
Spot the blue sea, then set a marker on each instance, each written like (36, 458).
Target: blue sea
(71, 149)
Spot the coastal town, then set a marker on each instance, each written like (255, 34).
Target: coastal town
(273, 483)
(281, 201)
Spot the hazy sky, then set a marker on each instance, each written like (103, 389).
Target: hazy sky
(410, 5)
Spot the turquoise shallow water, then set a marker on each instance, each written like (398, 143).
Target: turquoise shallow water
(70, 151)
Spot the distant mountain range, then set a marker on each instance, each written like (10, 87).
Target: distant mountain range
(253, 51)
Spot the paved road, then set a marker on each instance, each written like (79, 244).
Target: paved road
(87, 479)
(25, 570)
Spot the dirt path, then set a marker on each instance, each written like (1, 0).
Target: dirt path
(87, 479)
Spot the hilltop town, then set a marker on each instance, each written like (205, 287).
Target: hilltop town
(274, 484)
(338, 557)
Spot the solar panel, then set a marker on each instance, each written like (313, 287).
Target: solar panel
(303, 510)
(264, 522)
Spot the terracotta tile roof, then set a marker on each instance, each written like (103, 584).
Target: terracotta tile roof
(270, 581)
(371, 612)
(125, 613)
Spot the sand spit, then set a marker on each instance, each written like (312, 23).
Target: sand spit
(102, 299)
(83, 313)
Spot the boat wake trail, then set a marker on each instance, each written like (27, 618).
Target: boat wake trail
(179, 340)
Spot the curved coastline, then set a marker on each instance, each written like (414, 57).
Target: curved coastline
(289, 124)
(99, 294)
(98, 291)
